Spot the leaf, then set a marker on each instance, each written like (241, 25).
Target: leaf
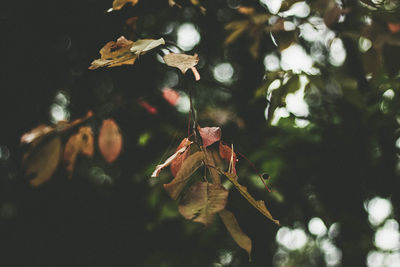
(41, 162)
(82, 142)
(237, 28)
(181, 148)
(236, 232)
(181, 61)
(394, 27)
(118, 4)
(189, 166)
(110, 140)
(227, 154)
(177, 162)
(115, 54)
(202, 201)
(197, 3)
(36, 133)
(144, 45)
(171, 96)
(210, 135)
(258, 204)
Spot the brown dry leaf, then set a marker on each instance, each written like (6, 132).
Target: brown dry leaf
(181, 61)
(227, 154)
(210, 135)
(36, 133)
(115, 54)
(141, 46)
(189, 166)
(82, 142)
(118, 4)
(258, 204)
(181, 148)
(41, 161)
(202, 201)
(110, 140)
(236, 232)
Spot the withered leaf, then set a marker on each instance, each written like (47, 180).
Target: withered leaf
(141, 46)
(118, 4)
(41, 161)
(82, 142)
(236, 232)
(181, 61)
(202, 201)
(210, 135)
(189, 166)
(258, 204)
(115, 54)
(177, 162)
(110, 140)
(227, 154)
(181, 148)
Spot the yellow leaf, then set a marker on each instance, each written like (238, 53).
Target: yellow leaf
(110, 140)
(41, 162)
(118, 4)
(258, 204)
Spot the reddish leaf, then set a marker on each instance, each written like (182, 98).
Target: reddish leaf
(394, 27)
(202, 201)
(234, 229)
(189, 166)
(171, 96)
(146, 105)
(41, 161)
(227, 154)
(181, 148)
(110, 140)
(177, 162)
(210, 135)
(82, 142)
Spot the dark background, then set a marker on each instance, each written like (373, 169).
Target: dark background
(345, 156)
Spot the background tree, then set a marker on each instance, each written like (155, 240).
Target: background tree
(308, 91)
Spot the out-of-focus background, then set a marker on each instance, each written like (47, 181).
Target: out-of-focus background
(307, 90)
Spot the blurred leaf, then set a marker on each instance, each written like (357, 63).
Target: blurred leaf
(148, 107)
(171, 96)
(236, 232)
(189, 166)
(258, 204)
(36, 133)
(181, 61)
(332, 15)
(210, 135)
(82, 142)
(202, 201)
(110, 140)
(41, 162)
(198, 4)
(118, 4)
(394, 27)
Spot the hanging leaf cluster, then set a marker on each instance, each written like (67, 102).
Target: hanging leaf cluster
(45, 150)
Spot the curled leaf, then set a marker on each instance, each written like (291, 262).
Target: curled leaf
(177, 162)
(144, 45)
(82, 142)
(110, 140)
(210, 135)
(258, 204)
(181, 61)
(115, 54)
(181, 148)
(202, 201)
(189, 166)
(41, 161)
(227, 154)
(236, 232)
